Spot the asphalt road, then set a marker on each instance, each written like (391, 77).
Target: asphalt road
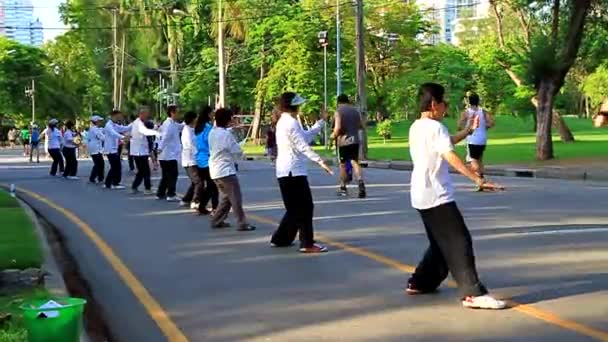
(541, 243)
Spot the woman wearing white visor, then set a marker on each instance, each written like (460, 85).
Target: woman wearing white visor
(293, 152)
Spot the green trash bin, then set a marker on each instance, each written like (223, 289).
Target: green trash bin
(60, 324)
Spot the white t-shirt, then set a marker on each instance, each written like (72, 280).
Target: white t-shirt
(431, 185)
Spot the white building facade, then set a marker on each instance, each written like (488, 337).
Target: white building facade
(17, 21)
(449, 16)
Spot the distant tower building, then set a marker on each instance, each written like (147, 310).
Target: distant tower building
(19, 24)
(449, 15)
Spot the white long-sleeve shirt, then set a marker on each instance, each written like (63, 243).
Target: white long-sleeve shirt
(68, 139)
(170, 146)
(94, 140)
(188, 147)
(223, 149)
(139, 141)
(112, 134)
(293, 146)
(53, 137)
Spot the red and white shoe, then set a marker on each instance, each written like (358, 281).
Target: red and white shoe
(316, 248)
(486, 302)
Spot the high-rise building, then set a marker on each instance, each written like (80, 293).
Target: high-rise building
(449, 16)
(17, 19)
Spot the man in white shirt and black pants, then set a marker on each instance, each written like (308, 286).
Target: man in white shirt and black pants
(170, 149)
(113, 133)
(432, 194)
(140, 150)
(223, 149)
(94, 145)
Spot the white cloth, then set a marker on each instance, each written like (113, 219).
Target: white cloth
(53, 137)
(431, 185)
(293, 146)
(169, 145)
(139, 140)
(112, 134)
(223, 150)
(68, 139)
(94, 140)
(188, 147)
(479, 135)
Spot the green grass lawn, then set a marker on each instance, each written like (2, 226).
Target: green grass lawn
(19, 245)
(19, 248)
(510, 141)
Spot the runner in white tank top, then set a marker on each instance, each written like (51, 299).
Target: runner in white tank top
(476, 142)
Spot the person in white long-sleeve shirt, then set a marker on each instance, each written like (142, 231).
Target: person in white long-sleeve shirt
(69, 152)
(291, 170)
(114, 132)
(189, 152)
(169, 148)
(52, 138)
(94, 146)
(223, 150)
(140, 150)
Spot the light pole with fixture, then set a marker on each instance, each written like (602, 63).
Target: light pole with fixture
(323, 42)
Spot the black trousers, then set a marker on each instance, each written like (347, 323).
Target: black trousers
(299, 208)
(450, 250)
(57, 161)
(168, 178)
(143, 173)
(97, 172)
(202, 188)
(115, 174)
(71, 163)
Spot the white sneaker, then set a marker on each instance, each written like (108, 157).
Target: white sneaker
(194, 205)
(172, 199)
(118, 187)
(148, 192)
(73, 177)
(483, 302)
(184, 204)
(135, 191)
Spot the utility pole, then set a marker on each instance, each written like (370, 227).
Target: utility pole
(361, 95)
(220, 46)
(32, 93)
(338, 51)
(115, 56)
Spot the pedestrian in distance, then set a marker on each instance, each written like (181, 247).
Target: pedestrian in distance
(291, 171)
(170, 149)
(69, 152)
(34, 143)
(140, 150)
(12, 137)
(348, 124)
(189, 151)
(95, 138)
(114, 133)
(222, 159)
(53, 139)
(432, 194)
(477, 141)
(25, 140)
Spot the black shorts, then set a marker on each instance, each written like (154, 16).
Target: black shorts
(349, 152)
(476, 151)
(34, 143)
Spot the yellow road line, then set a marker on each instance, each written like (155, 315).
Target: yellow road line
(153, 308)
(526, 309)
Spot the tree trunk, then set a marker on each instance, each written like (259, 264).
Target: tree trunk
(564, 131)
(544, 113)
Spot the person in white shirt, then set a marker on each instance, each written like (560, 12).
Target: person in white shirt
(140, 150)
(189, 151)
(69, 152)
(432, 194)
(53, 140)
(223, 150)
(169, 148)
(113, 133)
(291, 170)
(94, 144)
(477, 141)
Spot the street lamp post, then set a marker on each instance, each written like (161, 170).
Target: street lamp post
(31, 92)
(323, 42)
(338, 51)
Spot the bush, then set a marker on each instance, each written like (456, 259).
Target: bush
(384, 129)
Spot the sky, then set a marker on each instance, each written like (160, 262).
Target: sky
(48, 13)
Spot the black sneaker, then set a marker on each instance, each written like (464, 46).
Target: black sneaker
(342, 191)
(362, 193)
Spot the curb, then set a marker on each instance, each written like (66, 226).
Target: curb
(53, 278)
(599, 175)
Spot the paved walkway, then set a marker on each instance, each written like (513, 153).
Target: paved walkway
(163, 274)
